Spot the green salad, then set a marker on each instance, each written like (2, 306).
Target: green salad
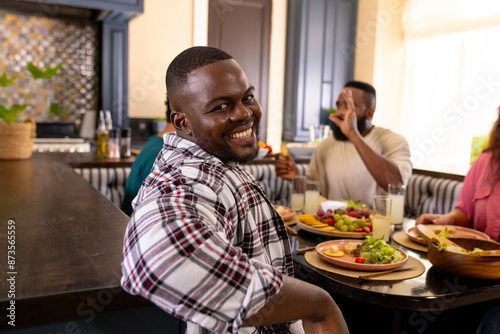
(445, 233)
(377, 251)
(354, 204)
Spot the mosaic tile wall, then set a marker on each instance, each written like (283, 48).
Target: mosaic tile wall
(49, 42)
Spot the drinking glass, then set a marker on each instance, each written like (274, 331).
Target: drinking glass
(318, 133)
(381, 217)
(397, 193)
(311, 200)
(298, 191)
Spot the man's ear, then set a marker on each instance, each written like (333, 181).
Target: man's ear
(369, 113)
(181, 123)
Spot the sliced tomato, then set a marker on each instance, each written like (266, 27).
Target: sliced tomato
(358, 229)
(359, 259)
(353, 215)
(367, 229)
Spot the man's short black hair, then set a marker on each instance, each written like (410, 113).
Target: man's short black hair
(189, 60)
(168, 111)
(365, 87)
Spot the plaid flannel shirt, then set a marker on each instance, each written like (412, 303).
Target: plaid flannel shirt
(204, 243)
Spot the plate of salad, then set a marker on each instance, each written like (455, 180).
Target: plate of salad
(368, 254)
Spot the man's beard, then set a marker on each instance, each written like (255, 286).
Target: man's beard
(339, 135)
(225, 154)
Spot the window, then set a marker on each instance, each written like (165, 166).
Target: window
(451, 80)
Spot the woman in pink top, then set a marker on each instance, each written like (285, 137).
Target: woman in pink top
(479, 204)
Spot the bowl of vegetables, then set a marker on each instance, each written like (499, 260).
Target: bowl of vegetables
(474, 261)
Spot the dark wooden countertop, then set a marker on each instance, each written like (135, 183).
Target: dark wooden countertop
(68, 241)
(83, 160)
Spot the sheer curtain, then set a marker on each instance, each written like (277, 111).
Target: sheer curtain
(451, 85)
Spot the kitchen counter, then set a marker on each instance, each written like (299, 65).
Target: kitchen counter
(65, 244)
(83, 160)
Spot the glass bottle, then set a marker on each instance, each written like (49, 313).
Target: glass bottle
(114, 144)
(126, 142)
(101, 135)
(109, 120)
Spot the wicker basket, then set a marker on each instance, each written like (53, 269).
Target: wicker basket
(16, 140)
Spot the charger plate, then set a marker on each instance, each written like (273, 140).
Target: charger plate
(402, 239)
(314, 260)
(291, 221)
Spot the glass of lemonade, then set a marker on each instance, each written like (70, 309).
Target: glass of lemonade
(298, 191)
(397, 193)
(311, 198)
(382, 217)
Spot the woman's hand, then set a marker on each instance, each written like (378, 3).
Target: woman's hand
(428, 219)
(455, 217)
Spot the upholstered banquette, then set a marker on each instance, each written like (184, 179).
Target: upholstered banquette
(431, 192)
(109, 181)
(427, 192)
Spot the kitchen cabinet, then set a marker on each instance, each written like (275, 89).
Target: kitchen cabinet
(121, 8)
(319, 60)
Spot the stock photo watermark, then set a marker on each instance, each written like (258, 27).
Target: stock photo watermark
(366, 35)
(420, 320)
(454, 117)
(11, 272)
(88, 310)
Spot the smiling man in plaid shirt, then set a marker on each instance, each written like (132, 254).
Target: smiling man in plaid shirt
(204, 243)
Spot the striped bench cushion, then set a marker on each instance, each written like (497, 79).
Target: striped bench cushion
(427, 194)
(276, 189)
(108, 181)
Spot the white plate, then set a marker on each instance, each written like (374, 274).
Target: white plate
(286, 213)
(333, 205)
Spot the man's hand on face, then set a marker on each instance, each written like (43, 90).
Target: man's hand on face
(346, 121)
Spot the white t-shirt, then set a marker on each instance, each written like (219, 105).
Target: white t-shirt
(342, 173)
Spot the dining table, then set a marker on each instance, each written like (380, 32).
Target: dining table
(431, 301)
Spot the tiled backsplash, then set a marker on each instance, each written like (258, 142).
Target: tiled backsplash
(48, 42)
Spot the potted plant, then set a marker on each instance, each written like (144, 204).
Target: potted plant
(16, 130)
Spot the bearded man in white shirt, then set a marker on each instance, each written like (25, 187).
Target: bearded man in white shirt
(360, 159)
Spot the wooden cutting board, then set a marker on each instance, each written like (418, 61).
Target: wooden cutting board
(429, 234)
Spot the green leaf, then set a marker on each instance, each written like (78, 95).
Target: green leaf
(4, 81)
(332, 111)
(39, 73)
(10, 115)
(56, 109)
(441, 246)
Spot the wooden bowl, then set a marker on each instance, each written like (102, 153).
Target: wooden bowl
(468, 266)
